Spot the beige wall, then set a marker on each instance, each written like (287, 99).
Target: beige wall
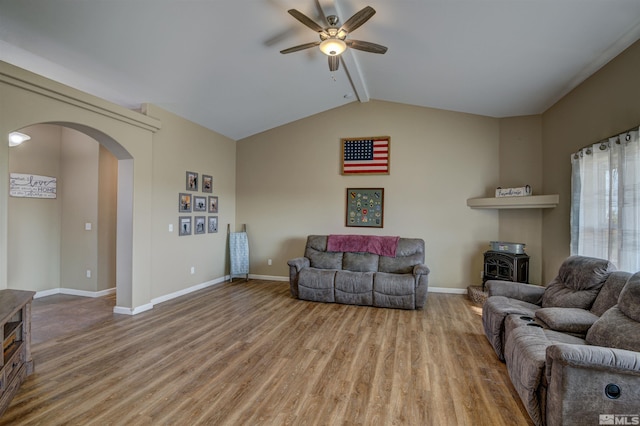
(34, 225)
(79, 195)
(289, 185)
(604, 105)
(178, 147)
(520, 163)
(107, 219)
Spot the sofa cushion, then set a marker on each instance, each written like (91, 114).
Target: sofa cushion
(494, 312)
(394, 290)
(354, 288)
(360, 262)
(410, 252)
(316, 284)
(568, 320)
(578, 282)
(524, 353)
(610, 291)
(619, 327)
(525, 356)
(615, 330)
(316, 252)
(324, 260)
(629, 300)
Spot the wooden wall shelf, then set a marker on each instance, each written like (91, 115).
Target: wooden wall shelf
(527, 202)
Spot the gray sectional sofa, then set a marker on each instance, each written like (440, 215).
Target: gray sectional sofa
(361, 278)
(572, 348)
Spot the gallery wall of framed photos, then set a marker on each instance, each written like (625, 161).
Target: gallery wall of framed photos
(196, 200)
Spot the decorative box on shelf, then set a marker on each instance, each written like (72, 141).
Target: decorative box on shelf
(513, 192)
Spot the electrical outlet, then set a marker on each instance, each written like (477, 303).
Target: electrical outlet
(193, 270)
(269, 262)
(88, 273)
(171, 227)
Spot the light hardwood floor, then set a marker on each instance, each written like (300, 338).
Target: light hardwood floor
(248, 354)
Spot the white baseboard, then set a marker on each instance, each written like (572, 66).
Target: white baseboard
(134, 311)
(185, 291)
(74, 292)
(447, 290)
(167, 297)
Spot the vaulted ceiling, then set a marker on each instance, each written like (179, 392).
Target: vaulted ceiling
(217, 62)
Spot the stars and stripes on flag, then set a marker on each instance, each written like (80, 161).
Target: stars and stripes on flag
(365, 156)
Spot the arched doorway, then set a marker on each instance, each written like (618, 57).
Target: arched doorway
(28, 99)
(53, 241)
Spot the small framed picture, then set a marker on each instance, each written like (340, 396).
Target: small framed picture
(184, 203)
(185, 225)
(192, 181)
(199, 225)
(207, 183)
(365, 207)
(213, 204)
(212, 224)
(199, 204)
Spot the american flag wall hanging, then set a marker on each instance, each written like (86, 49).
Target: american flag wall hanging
(366, 156)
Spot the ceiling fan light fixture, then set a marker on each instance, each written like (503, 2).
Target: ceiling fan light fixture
(333, 46)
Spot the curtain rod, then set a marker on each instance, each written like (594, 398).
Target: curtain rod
(607, 138)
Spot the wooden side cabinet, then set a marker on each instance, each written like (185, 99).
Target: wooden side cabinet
(15, 325)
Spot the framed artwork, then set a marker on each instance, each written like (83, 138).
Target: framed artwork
(213, 204)
(192, 181)
(184, 203)
(185, 225)
(212, 225)
(199, 225)
(366, 156)
(365, 207)
(207, 183)
(199, 204)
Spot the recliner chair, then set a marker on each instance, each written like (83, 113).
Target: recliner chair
(576, 286)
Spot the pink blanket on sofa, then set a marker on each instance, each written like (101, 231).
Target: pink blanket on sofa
(383, 246)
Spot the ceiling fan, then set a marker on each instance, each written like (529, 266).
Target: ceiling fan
(333, 39)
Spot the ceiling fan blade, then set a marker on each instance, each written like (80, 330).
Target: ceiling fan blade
(300, 47)
(306, 20)
(358, 19)
(334, 63)
(366, 46)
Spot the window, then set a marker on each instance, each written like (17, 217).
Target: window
(605, 201)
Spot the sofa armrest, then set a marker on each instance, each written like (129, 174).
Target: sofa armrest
(421, 269)
(298, 263)
(612, 360)
(295, 266)
(586, 381)
(421, 275)
(526, 292)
